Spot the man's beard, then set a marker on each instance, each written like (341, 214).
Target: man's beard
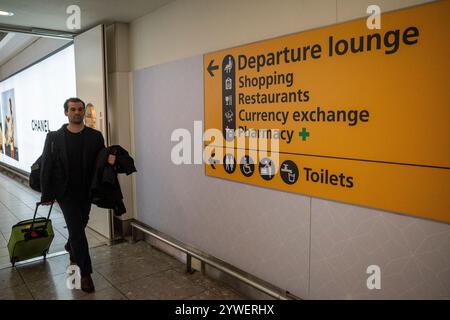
(77, 121)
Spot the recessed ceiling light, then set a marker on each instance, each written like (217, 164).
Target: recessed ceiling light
(6, 13)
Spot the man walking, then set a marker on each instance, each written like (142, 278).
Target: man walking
(67, 168)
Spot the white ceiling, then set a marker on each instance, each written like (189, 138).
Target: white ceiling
(12, 44)
(51, 14)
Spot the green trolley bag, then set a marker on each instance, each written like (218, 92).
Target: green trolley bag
(31, 238)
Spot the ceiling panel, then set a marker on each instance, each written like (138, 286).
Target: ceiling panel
(51, 14)
(12, 44)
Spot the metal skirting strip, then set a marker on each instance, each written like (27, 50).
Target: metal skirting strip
(17, 172)
(219, 265)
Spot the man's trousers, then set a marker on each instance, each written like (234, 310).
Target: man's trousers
(76, 214)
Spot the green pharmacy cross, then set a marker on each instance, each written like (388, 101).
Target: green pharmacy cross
(304, 134)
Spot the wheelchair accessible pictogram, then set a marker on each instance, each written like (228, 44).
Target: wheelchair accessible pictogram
(289, 172)
(247, 166)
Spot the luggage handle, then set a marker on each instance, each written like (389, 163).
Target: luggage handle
(35, 212)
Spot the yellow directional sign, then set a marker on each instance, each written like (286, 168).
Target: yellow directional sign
(360, 116)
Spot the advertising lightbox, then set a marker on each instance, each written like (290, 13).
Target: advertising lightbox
(32, 105)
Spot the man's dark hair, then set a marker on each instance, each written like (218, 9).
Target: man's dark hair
(66, 104)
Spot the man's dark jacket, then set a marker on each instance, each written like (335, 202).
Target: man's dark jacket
(55, 163)
(105, 188)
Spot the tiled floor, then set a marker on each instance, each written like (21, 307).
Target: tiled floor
(122, 271)
(18, 202)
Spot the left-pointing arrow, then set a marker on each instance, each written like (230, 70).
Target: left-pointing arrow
(211, 68)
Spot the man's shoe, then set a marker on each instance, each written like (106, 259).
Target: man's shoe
(87, 285)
